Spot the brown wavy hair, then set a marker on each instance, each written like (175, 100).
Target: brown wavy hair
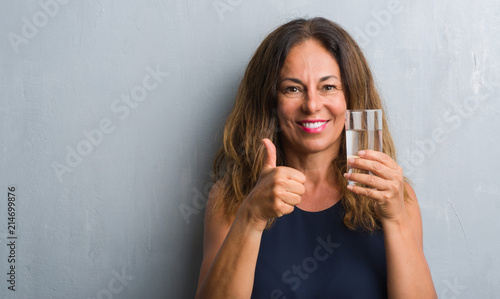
(239, 161)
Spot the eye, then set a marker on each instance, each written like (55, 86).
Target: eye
(330, 87)
(291, 89)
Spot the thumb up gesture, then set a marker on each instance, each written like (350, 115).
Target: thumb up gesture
(277, 192)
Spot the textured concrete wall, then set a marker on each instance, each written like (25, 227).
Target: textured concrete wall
(111, 112)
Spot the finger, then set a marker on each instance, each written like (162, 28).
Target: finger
(369, 192)
(270, 153)
(295, 187)
(292, 174)
(367, 179)
(373, 166)
(379, 157)
(292, 199)
(287, 209)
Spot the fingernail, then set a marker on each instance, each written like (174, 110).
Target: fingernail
(350, 187)
(350, 160)
(361, 153)
(347, 175)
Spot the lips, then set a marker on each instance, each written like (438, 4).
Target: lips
(313, 126)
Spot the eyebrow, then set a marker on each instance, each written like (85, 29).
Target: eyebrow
(320, 80)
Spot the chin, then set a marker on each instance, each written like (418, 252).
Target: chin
(316, 146)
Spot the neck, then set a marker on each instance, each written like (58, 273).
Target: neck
(321, 184)
(317, 167)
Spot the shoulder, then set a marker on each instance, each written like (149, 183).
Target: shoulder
(216, 205)
(217, 224)
(214, 196)
(413, 210)
(215, 229)
(411, 200)
(411, 192)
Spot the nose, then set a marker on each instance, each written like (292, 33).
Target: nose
(312, 101)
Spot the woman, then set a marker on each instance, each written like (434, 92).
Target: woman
(281, 221)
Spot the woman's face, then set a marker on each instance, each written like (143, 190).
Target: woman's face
(311, 103)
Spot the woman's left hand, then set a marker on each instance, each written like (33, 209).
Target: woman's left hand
(386, 178)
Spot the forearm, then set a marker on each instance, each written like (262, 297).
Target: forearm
(408, 275)
(231, 274)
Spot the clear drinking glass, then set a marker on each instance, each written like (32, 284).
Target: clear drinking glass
(363, 130)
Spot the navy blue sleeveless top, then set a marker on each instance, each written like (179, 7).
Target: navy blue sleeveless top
(314, 255)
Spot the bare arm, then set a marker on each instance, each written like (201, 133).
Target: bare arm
(231, 247)
(230, 255)
(408, 275)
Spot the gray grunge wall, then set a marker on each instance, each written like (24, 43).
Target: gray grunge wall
(111, 112)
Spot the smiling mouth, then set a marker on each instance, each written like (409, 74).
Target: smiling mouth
(312, 125)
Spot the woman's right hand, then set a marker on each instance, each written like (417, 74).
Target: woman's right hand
(277, 192)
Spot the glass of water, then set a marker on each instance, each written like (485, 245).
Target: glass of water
(363, 130)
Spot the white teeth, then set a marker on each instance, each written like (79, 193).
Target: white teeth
(314, 125)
